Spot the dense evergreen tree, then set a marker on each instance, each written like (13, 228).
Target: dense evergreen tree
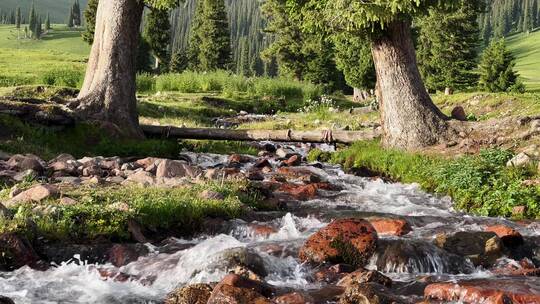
(353, 58)
(38, 28)
(447, 46)
(214, 50)
(32, 18)
(157, 32)
(48, 22)
(90, 21)
(497, 69)
(504, 17)
(70, 22)
(245, 21)
(18, 18)
(77, 20)
(179, 61)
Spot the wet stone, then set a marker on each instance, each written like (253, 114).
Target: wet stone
(191, 294)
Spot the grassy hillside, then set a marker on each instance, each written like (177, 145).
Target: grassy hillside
(26, 61)
(526, 48)
(58, 9)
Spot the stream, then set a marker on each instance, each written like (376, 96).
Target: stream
(204, 258)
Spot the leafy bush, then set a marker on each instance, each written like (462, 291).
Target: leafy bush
(63, 77)
(145, 83)
(481, 184)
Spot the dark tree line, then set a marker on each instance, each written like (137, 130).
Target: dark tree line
(504, 17)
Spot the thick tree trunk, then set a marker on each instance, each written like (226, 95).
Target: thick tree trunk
(109, 91)
(410, 120)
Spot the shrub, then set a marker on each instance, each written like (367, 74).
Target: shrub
(145, 83)
(63, 77)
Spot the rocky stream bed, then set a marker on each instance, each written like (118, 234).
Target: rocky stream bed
(336, 238)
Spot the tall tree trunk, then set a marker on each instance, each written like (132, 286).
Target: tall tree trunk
(109, 90)
(410, 120)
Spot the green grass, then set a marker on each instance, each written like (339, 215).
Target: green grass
(27, 61)
(104, 212)
(526, 48)
(481, 184)
(58, 9)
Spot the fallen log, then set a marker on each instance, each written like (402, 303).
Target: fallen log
(321, 136)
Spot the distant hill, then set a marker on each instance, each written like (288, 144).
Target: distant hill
(526, 48)
(58, 9)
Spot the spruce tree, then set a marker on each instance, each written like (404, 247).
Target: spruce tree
(534, 13)
(48, 22)
(144, 58)
(447, 46)
(18, 18)
(90, 21)
(77, 13)
(194, 43)
(527, 17)
(32, 18)
(38, 29)
(157, 32)
(353, 58)
(70, 22)
(496, 69)
(215, 47)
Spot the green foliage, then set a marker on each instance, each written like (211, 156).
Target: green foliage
(179, 62)
(145, 83)
(480, 184)
(354, 59)
(447, 46)
(72, 78)
(90, 19)
(497, 69)
(233, 85)
(104, 213)
(157, 32)
(81, 140)
(144, 60)
(211, 42)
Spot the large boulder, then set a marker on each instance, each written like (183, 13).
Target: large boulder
(352, 241)
(26, 162)
(485, 291)
(191, 294)
(509, 236)
(482, 248)
(234, 289)
(232, 258)
(142, 178)
(173, 168)
(34, 194)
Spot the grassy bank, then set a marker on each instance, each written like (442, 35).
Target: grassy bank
(89, 139)
(104, 212)
(480, 184)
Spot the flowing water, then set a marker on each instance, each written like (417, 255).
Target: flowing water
(203, 259)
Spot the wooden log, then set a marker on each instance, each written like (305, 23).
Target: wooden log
(321, 136)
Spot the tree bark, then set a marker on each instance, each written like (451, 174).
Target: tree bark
(409, 118)
(109, 90)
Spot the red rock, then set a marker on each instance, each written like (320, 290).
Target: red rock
(364, 276)
(333, 273)
(524, 268)
(294, 160)
(172, 168)
(36, 194)
(509, 236)
(239, 159)
(300, 173)
(495, 291)
(234, 289)
(304, 192)
(294, 298)
(519, 210)
(352, 241)
(262, 163)
(397, 227)
(262, 230)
